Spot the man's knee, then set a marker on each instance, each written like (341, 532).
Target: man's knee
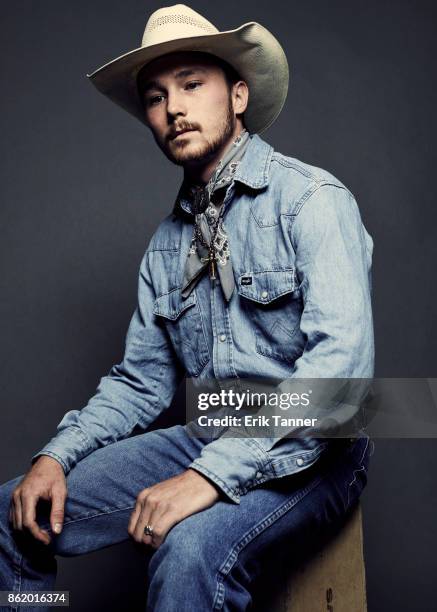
(186, 551)
(194, 556)
(6, 490)
(6, 531)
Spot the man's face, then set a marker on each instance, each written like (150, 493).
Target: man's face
(184, 92)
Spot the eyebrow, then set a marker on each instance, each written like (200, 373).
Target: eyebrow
(153, 84)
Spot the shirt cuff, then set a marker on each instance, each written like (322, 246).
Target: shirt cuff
(68, 447)
(53, 455)
(234, 465)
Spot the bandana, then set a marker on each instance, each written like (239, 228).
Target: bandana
(207, 204)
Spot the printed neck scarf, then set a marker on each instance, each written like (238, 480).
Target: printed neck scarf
(209, 246)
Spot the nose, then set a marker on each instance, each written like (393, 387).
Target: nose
(175, 104)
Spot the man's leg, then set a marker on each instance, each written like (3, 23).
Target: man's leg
(101, 495)
(209, 561)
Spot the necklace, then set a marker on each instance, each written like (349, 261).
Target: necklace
(211, 258)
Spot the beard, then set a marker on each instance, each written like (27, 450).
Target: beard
(186, 154)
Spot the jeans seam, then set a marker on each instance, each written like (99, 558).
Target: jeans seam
(232, 557)
(18, 557)
(91, 516)
(355, 472)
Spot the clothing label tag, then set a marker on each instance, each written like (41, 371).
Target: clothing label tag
(246, 280)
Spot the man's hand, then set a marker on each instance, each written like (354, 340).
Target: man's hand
(45, 480)
(169, 502)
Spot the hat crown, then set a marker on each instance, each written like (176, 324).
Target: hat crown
(177, 21)
(251, 49)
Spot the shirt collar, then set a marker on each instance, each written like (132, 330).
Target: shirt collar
(253, 170)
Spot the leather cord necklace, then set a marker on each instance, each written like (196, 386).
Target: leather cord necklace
(198, 208)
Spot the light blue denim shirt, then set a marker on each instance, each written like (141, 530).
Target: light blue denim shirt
(296, 231)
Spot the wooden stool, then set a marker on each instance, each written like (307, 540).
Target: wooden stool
(332, 580)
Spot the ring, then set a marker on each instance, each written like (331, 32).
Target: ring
(148, 530)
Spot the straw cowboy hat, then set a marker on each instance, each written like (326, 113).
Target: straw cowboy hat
(251, 49)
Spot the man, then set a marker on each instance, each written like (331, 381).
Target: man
(261, 270)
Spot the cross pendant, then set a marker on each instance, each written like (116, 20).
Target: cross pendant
(212, 275)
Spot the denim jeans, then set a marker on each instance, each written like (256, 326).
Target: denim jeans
(216, 554)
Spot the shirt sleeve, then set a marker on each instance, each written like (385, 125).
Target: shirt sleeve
(333, 260)
(134, 392)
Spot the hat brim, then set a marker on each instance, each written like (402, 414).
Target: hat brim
(251, 49)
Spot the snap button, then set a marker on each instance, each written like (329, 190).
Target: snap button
(299, 461)
(264, 294)
(222, 338)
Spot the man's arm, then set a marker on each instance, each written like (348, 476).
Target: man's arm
(134, 392)
(332, 263)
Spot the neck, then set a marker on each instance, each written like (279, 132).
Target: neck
(199, 173)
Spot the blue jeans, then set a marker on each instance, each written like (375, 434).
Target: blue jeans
(216, 553)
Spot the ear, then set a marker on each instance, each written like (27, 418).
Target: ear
(240, 96)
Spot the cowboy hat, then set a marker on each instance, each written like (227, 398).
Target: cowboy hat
(250, 49)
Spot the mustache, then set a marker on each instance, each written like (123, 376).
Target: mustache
(182, 126)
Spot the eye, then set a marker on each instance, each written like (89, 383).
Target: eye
(188, 85)
(153, 101)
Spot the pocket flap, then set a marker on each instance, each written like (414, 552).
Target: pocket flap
(266, 286)
(171, 305)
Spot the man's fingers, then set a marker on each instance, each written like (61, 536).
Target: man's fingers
(144, 519)
(148, 517)
(57, 511)
(158, 522)
(17, 513)
(134, 518)
(29, 519)
(12, 515)
(159, 517)
(161, 521)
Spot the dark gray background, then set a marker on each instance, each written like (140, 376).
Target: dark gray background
(83, 186)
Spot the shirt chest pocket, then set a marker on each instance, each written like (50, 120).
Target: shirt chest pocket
(183, 320)
(273, 302)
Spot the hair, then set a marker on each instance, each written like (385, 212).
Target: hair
(231, 75)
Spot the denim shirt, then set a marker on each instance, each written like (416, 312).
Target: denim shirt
(296, 231)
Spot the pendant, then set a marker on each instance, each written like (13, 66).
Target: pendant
(212, 275)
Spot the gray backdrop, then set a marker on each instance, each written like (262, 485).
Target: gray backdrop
(83, 186)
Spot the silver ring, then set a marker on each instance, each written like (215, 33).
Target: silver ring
(148, 530)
